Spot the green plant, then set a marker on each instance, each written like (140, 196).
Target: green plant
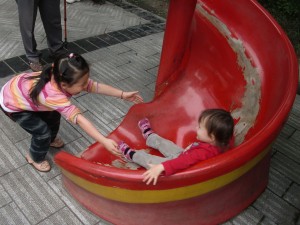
(287, 14)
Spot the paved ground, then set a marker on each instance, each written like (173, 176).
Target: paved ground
(123, 44)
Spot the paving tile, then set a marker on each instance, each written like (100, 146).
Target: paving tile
(11, 214)
(293, 195)
(78, 146)
(289, 147)
(17, 64)
(119, 36)
(72, 47)
(33, 196)
(99, 125)
(137, 72)
(86, 45)
(97, 42)
(275, 208)
(81, 213)
(107, 72)
(15, 133)
(63, 216)
(267, 221)
(129, 34)
(138, 31)
(247, 217)
(286, 166)
(286, 132)
(296, 106)
(278, 183)
(5, 70)
(10, 156)
(119, 49)
(4, 197)
(108, 39)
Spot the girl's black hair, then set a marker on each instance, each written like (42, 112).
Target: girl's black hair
(68, 69)
(220, 124)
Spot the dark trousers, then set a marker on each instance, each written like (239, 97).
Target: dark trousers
(51, 18)
(43, 126)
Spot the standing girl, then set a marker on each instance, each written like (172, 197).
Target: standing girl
(36, 102)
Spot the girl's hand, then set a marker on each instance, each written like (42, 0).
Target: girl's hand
(111, 146)
(153, 173)
(132, 96)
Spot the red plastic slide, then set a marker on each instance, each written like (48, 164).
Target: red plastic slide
(228, 54)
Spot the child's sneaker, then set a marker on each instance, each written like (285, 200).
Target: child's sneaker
(125, 150)
(145, 127)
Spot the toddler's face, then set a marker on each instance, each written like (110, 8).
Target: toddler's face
(79, 86)
(202, 134)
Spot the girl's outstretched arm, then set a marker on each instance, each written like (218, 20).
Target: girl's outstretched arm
(89, 128)
(153, 173)
(132, 96)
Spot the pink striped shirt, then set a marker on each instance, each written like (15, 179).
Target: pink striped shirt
(15, 96)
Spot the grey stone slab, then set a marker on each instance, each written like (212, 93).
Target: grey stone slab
(248, 217)
(105, 55)
(275, 208)
(267, 221)
(138, 73)
(78, 146)
(145, 46)
(293, 195)
(286, 132)
(278, 183)
(12, 130)
(294, 121)
(135, 84)
(67, 131)
(296, 106)
(286, 166)
(153, 71)
(85, 216)
(63, 216)
(107, 73)
(11, 214)
(4, 197)
(102, 107)
(144, 62)
(11, 158)
(99, 125)
(119, 48)
(33, 196)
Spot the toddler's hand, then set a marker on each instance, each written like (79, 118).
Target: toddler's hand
(133, 96)
(153, 173)
(111, 146)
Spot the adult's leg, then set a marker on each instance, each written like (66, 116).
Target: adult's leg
(27, 15)
(51, 18)
(144, 159)
(38, 128)
(52, 118)
(168, 148)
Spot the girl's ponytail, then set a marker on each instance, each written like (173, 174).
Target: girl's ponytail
(67, 69)
(43, 78)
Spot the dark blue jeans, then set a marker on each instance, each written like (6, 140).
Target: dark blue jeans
(43, 126)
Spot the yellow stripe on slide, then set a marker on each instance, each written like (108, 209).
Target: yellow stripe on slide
(159, 196)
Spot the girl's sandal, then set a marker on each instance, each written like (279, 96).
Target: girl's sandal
(57, 143)
(43, 166)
